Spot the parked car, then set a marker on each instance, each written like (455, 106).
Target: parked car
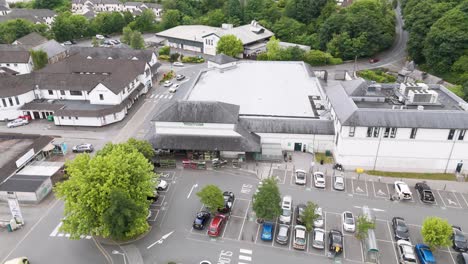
(174, 88)
(299, 213)
(167, 84)
(205, 262)
(178, 64)
(300, 240)
(180, 77)
(108, 42)
(17, 122)
(300, 177)
(349, 225)
(403, 191)
(106, 36)
(67, 43)
(335, 241)
(201, 219)
(88, 148)
(424, 254)
(267, 231)
(115, 41)
(20, 260)
(425, 192)
(228, 202)
(283, 234)
(216, 225)
(405, 252)
(286, 207)
(373, 60)
(25, 117)
(318, 238)
(459, 242)
(162, 185)
(400, 229)
(154, 197)
(319, 179)
(462, 258)
(338, 183)
(99, 36)
(319, 221)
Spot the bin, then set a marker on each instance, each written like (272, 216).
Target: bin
(50, 118)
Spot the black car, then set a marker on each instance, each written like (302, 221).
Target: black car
(335, 241)
(154, 197)
(458, 240)
(400, 229)
(228, 202)
(299, 213)
(425, 192)
(201, 219)
(106, 36)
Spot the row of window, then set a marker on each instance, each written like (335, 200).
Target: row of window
(62, 92)
(461, 135)
(390, 132)
(10, 100)
(8, 64)
(209, 42)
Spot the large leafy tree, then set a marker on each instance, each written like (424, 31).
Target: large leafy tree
(309, 216)
(230, 45)
(39, 58)
(266, 202)
(213, 18)
(14, 29)
(436, 232)
(288, 29)
(212, 197)
(48, 4)
(108, 23)
(67, 26)
(143, 146)
(305, 11)
(253, 10)
(171, 18)
(119, 170)
(234, 10)
(145, 22)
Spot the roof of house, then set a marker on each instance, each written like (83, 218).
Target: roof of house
(134, 3)
(33, 15)
(15, 85)
(22, 183)
(154, 5)
(32, 39)
(105, 53)
(51, 47)
(198, 112)
(13, 54)
(288, 125)
(222, 59)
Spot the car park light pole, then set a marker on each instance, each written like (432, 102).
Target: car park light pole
(116, 252)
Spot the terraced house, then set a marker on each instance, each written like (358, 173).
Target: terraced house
(90, 8)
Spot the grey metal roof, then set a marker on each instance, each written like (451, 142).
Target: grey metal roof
(51, 47)
(33, 15)
(22, 183)
(13, 54)
(288, 126)
(199, 112)
(105, 53)
(15, 85)
(32, 39)
(222, 59)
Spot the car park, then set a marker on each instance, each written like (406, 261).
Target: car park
(174, 88)
(459, 242)
(338, 183)
(424, 254)
(201, 219)
(267, 231)
(349, 224)
(180, 77)
(300, 177)
(319, 179)
(286, 207)
(282, 236)
(167, 84)
(88, 148)
(162, 185)
(299, 239)
(319, 221)
(178, 64)
(462, 258)
(318, 238)
(229, 198)
(403, 191)
(400, 229)
(425, 192)
(335, 241)
(405, 252)
(299, 213)
(216, 225)
(17, 122)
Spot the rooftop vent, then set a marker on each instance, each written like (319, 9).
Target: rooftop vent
(89, 57)
(255, 27)
(420, 108)
(422, 96)
(227, 26)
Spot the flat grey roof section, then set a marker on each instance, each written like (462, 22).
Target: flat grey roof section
(260, 88)
(288, 125)
(22, 183)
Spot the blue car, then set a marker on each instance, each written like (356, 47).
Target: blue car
(267, 231)
(424, 253)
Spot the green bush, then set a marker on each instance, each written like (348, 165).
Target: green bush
(335, 61)
(164, 57)
(189, 59)
(166, 50)
(262, 56)
(377, 75)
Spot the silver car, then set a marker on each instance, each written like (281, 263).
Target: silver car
(286, 207)
(338, 183)
(318, 238)
(283, 235)
(319, 222)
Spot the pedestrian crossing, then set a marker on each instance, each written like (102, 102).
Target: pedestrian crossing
(161, 96)
(245, 256)
(56, 233)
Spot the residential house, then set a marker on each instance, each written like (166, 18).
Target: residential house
(34, 41)
(36, 16)
(16, 58)
(90, 8)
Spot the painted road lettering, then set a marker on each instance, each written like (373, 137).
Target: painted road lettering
(225, 257)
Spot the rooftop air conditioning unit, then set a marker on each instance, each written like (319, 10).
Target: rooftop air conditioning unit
(422, 96)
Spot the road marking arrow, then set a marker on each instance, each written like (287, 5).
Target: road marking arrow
(160, 241)
(191, 190)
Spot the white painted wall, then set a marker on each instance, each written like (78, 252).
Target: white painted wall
(28, 197)
(89, 121)
(314, 143)
(57, 94)
(22, 68)
(110, 98)
(210, 43)
(12, 111)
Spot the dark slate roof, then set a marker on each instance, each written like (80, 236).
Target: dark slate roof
(288, 126)
(33, 15)
(199, 112)
(104, 53)
(154, 5)
(222, 59)
(13, 54)
(32, 39)
(15, 85)
(22, 183)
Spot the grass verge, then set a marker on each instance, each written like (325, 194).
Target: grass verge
(414, 175)
(321, 156)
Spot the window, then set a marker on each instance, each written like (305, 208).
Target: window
(62, 92)
(115, 116)
(76, 118)
(369, 131)
(376, 132)
(51, 92)
(4, 102)
(69, 117)
(10, 100)
(373, 132)
(17, 100)
(16, 64)
(61, 117)
(461, 136)
(393, 132)
(351, 131)
(101, 97)
(386, 132)
(413, 133)
(451, 134)
(76, 93)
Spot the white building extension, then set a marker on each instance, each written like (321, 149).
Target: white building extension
(15, 59)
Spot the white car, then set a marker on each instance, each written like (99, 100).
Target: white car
(17, 122)
(286, 207)
(174, 88)
(162, 185)
(319, 179)
(318, 238)
(300, 177)
(99, 36)
(319, 222)
(349, 224)
(300, 237)
(403, 191)
(178, 64)
(167, 84)
(405, 252)
(338, 183)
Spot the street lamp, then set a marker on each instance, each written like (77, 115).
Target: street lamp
(116, 252)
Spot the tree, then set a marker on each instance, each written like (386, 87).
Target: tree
(137, 41)
(166, 50)
(126, 35)
(212, 197)
(174, 57)
(230, 45)
(171, 18)
(87, 193)
(436, 232)
(266, 203)
(40, 59)
(108, 23)
(67, 26)
(273, 49)
(253, 10)
(305, 10)
(287, 29)
(143, 146)
(363, 224)
(310, 215)
(47, 4)
(213, 18)
(317, 57)
(14, 29)
(95, 42)
(145, 22)
(233, 10)
(128, 17)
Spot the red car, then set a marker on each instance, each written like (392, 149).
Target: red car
(373, 60)
(216, 225)
(26, 117)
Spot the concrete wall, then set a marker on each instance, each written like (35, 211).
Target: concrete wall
(314, 143)
(12, 111)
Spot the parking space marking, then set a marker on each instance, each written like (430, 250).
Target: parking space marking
(167, 175)
(280, 177)
(382, 194)
(451, 202)
(160, 201)
(243, 222)
(391, 237)
(463, 196)
(451, 255)
(153, 219)
(256, 236)
(358, 188)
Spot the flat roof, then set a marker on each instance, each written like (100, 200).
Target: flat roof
(260, 88)
(11, 148)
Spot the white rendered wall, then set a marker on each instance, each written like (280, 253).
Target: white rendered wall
(314, 143)
(12, 111)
